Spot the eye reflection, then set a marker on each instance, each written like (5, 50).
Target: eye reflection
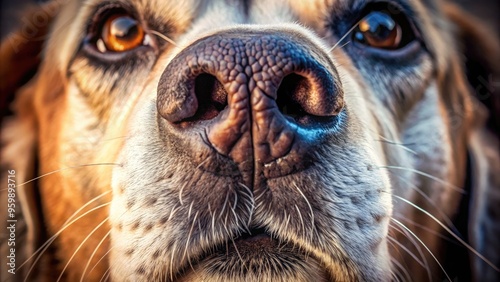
(120, 33)
(379, 30)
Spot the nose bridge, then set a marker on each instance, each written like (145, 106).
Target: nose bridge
(251, 68)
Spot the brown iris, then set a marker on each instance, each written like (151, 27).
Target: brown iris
(121, 33)
(379, 30)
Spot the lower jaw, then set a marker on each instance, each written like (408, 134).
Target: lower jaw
(304, 271)
(256, 260)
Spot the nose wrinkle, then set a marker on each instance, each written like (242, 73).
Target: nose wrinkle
(247, 70)
(252, 70)
(231, 134)
(273, 136)
(251, 130)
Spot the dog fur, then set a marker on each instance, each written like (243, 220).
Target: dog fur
(415, 147)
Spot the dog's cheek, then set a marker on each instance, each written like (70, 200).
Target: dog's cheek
(138, 208)
(430, 181)
(366, 126)
(426, 129)
(365, 200)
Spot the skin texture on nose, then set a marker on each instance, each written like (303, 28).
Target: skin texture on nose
(251, 130)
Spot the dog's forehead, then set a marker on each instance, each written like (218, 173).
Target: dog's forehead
(187, 9)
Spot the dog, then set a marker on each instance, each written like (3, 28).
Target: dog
(250, 140)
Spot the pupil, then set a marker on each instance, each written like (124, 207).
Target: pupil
(379, 24)
(124, 28)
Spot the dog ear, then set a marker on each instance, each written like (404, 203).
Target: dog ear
(21, 51)
(20, 54)
(481, 53)
(480, 47)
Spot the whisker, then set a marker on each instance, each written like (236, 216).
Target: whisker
(103, 256)
(287, 219)
(80, 246)
(239, 255)
(233, 208)
(86, 205)
(301, 220)
(450, 232)
(105, 275)
(164, 37)
(93, 254)
(430, 231)
(310, 209)
(403, 146)
(190, 209)
(394, 241)
(402, 273)
(415, 244)
(343, 45)
(203, 162)
(343, 37)
(252, 203)
(212, 221)
(432, 203)
(71, 217)
(188, 238)
(224, 206)
(180, 193)
(394, 276)
(46, 245)
(421, 242)
(257, 198)
(430, 176)
(172, 261)
(63, 169)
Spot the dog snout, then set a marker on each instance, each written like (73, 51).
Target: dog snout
(255, 91)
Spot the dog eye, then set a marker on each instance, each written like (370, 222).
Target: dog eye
(120, 33)
(382, 30)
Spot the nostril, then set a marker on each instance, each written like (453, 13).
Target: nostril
(211, 95)
(305, 86)
(292, 91)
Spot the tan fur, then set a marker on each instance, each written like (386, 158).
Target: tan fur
(91, 139)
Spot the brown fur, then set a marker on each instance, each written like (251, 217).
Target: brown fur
(93, 156)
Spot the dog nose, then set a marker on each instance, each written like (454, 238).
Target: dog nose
(259, 95)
